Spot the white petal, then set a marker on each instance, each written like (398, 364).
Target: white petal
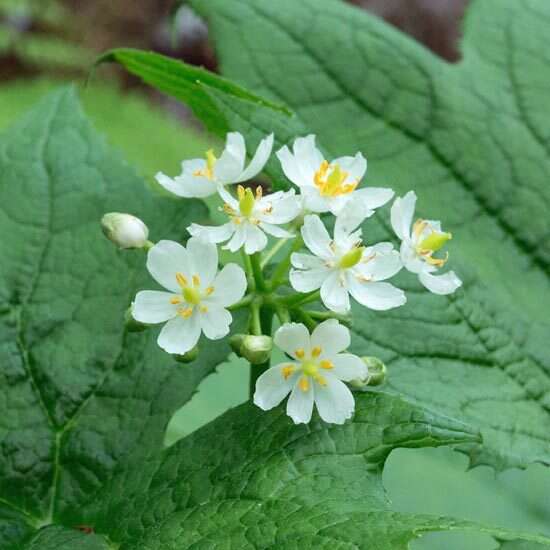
(334, 401)
(179, 335)
(316, 237)
(300, 404)
(215, 322)
(231, 162)
(308, 157)
(238, 238)
(411, 260)
(373, 197)
(378, 296)
(153, 306)
(213, 234)
(278, 208)
(291, 337)
(272, 387)
(258, 161)
(402, 212)
(228, 198)
(440, 284)
(331, 337)
(314, 202)
(308, 280)
(338, 203)
(355, 167)
(379, 262)
(164, 260)
(204, 259)
(348, 367)
(229, 286)
(276, 231)
(255, 239)
(334, 294)
(187, 185)
(290, 166)
(350, 218)
(306, 261)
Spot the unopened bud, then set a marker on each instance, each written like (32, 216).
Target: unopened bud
(376, 375)
(188, 357)
(131, 324)
(125, 230)
(256, 349)
(235, 342)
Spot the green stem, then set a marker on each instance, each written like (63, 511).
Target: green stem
(256, 371)
(248, 269)
(255, 323)
(280, 273)
(272, 251)
(282, 313)
(301, 299)
(246, 301)
(305, 318)
(324, 315)
(255, 261)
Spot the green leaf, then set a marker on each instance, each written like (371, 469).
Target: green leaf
(55, 537)
(79, 395)
(472, 139)
(267, 483)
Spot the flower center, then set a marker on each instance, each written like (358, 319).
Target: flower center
(351, 258)
(428, 245)
(247, 202)
(208, 171)
(330, 179)
(191, 294)
(309, 368)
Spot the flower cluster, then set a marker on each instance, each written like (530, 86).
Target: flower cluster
(332, 267)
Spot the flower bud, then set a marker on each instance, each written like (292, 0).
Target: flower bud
(125, 230)
(188, 357)
(376, 375)
(131, 324)
(235, 342)
(256, 349)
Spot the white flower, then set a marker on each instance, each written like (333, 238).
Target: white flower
(201, 177)
(315, 375)
(125, 230)
(419, 245)
(197, 297)
(329, 186)
(343, 266)
(251, 217)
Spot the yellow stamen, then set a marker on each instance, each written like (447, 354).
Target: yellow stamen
(240, 192)
(288, 371)
(418, 227)
(185, 312)
(321, 380)
(326, 364)
(316, 351)
(209, 290)
(204, 309)
(300, 353)
(303, 384)
(207, 172)
(181, 279)
(228, 209)
(175, 300)
(259, 192)
(332, 185)
(196, 280)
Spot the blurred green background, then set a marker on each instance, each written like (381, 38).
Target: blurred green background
(46, 43)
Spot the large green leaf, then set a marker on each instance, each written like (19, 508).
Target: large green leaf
(267, 483)
(473, 141)
(79, 394)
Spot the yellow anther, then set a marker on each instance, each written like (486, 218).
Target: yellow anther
(175, 300)
(185, 312)
(209, 290)
(237, 221)
(204, 309)
(332, 185)
(438, 262)
(418, 227)
(303, 384)
(300, 353)
(321, 380)
(196, 280)
(353, 257)
(316, 351)
(326, 364)
(288, 371)
(228, 209)
(259, 192)
(181, 279)
(208, 171)
(241, 192)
